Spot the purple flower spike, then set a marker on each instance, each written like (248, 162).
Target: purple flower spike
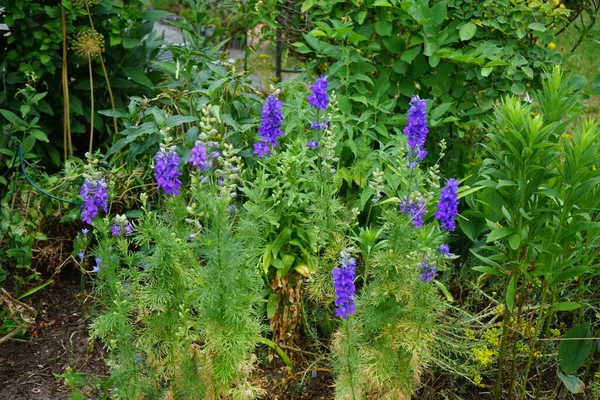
(312, 144)
(270, 127)
(166, 172)
(416, 128)
(444, 249)
(115, 230)
(94, 197)
(428, 271)
(447, 208)
(415, 208)
(318, 98)
(199, 158)
(343, 283)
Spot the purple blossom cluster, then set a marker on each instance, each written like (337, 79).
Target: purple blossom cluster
(312, 144)
(199, 158)
(415, 208)
(318, 98)
(94, 196)
(447, 207)
(444, 249)
(166, 171)
(319, 125)
(416, 130)
(343, 283)
(428, 271)
(270, 127)
(120, 224)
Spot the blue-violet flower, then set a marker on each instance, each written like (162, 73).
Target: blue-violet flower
(199, 158)
(447, 207)
(318, 98)
(416, 129)
(343, 283)
(428, 271)
(270, 127)
(166, 173)
(445, 250)
(415, 208)
(94, 197)
(312, 144)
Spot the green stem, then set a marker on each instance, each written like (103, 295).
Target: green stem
(92, 107)
(538, 325)
(498, 389)
(348, 362)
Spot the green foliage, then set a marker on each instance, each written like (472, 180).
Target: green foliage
(540, 199)
(34, 62)
(464, 54)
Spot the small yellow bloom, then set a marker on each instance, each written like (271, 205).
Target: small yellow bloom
(555, 332)
(551, 45)
(562, 5)
(477, 381)
(469, 334)
(500, 309)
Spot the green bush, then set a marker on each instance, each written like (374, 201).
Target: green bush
(463, 53)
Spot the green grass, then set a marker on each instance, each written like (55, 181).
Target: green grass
(583, 61)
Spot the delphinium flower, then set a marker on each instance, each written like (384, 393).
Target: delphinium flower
(270, 127)
(428, 271)
(81, 255)
(416, 130)
(343, 283)
(166, 173)
(444, 249)
(96, 267)
(85, 232)
(312, 144)
(199, 158)
(94, 196)
(414, 206)
(319, 125)
(120, 223)
(318, 98)
(447, 207)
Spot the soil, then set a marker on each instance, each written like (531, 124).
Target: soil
(58, 340)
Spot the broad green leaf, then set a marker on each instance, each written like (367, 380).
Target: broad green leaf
(489, 270)
(467, 31)
(177, 120)
(12, 117)
(137, 76)
(279, 241)
(514, 241)
(272, 305)
(573, 353)
(537, 26)
(565, 306)
(573, 383)
(511, 292)
(498, 233)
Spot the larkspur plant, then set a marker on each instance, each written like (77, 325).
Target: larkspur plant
(270, 127)
(447, 208)
(166, 169)
(343, 282)
(95, 197)
(416, 130)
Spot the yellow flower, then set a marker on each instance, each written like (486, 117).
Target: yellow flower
(477, 381)
(551, 45)
(483, 355)
(555, 332)
(469, 334)
(500, 309)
